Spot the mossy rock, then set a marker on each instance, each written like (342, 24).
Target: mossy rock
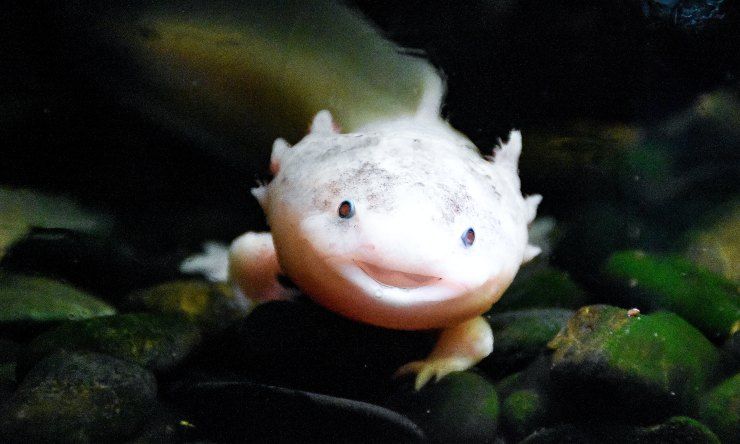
(633, 361)
(520, 336)
(710, 302)
(28, 299)
(461, 407)
(720, 409)
(545, 287)
(79, 397)
(211, 306)
(522, 412)
(157, 342)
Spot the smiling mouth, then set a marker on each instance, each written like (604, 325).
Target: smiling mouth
(395, 278)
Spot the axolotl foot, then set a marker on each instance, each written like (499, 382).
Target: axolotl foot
(458, 348)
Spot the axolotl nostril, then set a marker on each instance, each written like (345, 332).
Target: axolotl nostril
(401, 224)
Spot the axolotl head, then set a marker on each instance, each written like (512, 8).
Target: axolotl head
(403, 225)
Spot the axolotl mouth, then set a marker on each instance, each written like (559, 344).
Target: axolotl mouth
(395, 278)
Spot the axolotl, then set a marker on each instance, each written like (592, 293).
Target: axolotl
(402, 224)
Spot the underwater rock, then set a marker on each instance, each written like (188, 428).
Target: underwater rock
(708, 301)
(235, 410)
(717, 248)
(522, 412)
(212, 306)
(520, 336)
(79, 397)
(544, 287)
(657, 360)
(461, 407)
(22, 210)
(678, 429)
(720, 409)
(301, 345)
(157, 342)
(105, 266)
(26, 300)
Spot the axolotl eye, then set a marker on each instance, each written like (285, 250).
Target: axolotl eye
(468, 237)
(346, 209)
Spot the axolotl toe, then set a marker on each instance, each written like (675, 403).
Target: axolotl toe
(402, 224)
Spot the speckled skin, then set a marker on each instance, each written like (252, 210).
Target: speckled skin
(416, 187)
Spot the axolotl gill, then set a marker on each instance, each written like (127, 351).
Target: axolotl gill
(402, 224)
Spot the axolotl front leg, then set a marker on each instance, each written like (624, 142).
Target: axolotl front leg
(254, 268)
(458, 348)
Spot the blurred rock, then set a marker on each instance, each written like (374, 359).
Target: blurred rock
(648, 367)
(649, 282)
(520, 336)
(73, 397)
(717, 247)
(32, 300)
(238, 410)
(157, 342)
(106, 266)
(212, 306)
(461, 407)
(541, 287)
(22, 210)
(720, 409)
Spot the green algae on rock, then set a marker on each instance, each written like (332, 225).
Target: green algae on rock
(79, 397)
(545, 287)
(28, 299)
(522, 412)
(210, 305)
(461, 407)
(706, 300)
(720, 409)
(658, 360)
(520, 336)
(157, 342)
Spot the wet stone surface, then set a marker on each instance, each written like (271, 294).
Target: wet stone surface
(30, 300)
(79, 397)
(157, 342)
(462, 407)
(660, 359)
(266, 413)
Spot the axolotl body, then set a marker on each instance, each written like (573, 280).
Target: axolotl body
(401, 224)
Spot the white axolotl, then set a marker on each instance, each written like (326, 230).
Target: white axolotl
(401, 224)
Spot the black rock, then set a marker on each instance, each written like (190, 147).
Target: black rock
(241, 410)
(79, 397)
(301, 345)
(106, 266)
(461, 407)
(678, 429)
